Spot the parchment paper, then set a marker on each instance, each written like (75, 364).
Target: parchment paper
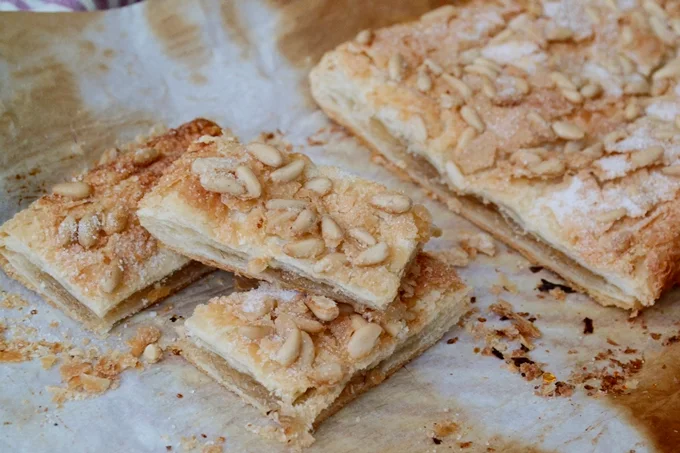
(73, 84)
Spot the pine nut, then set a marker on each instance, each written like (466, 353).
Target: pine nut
(423, 82)
(357, 321)
(549, 167)
(115, 221)
(363, 236)
(463, 89)
(281, 204)
(255, 332)
(488, 89)
(323, 308)
(671, 170)
(668, 71)
(568, 131)
(145, 156)
(289, 172)
(320, 185)
(395, 67)
(74, 190)
(108, 156)
(562, 81)
(253, 186)
(305, 248)
(221, 183)
(308, 325)
(290, 350)
(594, 151)
(329, 373)
(330, 262)
(394, 328)
(257, 266)
(307, 350)
(67, 231)
(661, 30)
(472, 118)
(363, 340)
(88, 230)
(465, 138)
(211, 165)
(304, 222)
(537, 120)
(364, 37)
(611, 216)
(113, 276)
(572, 96)
(637, 87)
(331, 231)
(392, 203)
(266, 154)
(373, 255)
(647, 156)
(591, 90)
(631, 111)
(481, 70)
(525, 157)
(152, 353)
(433, 67)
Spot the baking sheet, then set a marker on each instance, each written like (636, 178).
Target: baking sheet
(73, 84)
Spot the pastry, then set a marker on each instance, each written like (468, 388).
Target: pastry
(300, 358)
(82, 247)
(275, 216)
(552, 125)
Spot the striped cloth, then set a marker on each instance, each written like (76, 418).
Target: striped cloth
(62, 5)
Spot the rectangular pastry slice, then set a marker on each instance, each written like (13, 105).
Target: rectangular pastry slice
(82, 247)
(553, 125)
(299, 358)
(275, 216)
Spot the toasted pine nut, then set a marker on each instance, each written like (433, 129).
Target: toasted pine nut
(74, 190)
(246, 175)
(323, 308)
(373, 255)
(363, 340)
(363, 236)
(266, 154)
(392, 203)
(113, 276)
(321, 185)
(290, 350)
(289, 172)
(305, 248)
(88, 230)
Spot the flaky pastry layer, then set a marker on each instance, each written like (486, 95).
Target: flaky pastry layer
(313, 228)
(557, 116)
(82, 247)
(244, 342)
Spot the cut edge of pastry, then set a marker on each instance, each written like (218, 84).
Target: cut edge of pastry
(29, 275)
(297, 432)
(390, 152)
(196, 245)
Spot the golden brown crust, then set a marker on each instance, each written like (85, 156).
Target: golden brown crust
(91, 244)
(347, 237)
(560, 113)
(242, 340)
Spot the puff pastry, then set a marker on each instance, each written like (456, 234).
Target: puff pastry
(551, 124)
(82, 247)
(275, 216)
(299, 358)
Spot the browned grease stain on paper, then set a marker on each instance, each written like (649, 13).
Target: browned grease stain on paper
(180, 39)
(655, 404)
(237, 31)
(308, 29)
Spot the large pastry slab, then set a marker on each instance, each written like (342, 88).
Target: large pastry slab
(82, 247)
(553, 125)
(275, 216)
(299, 358)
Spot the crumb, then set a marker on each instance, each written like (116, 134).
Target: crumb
(479, 242)
(535, 269)
(655, 336)
(588, 326)
(445, 428)
(211, 448)
(455, 256)
(558, 294)
(465, 444)
(612, 342)
(153, 353)
(670, 340)
(48, 361)
(436, 441)
(54, 324)
(145, 336)
(453, 340)
(13, 301)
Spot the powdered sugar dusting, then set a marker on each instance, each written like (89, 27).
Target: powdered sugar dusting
(640, 138)
(254, 300)
(614, 166)
(597, 73)
(569, 14)
(664, 110)
(510, 51)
